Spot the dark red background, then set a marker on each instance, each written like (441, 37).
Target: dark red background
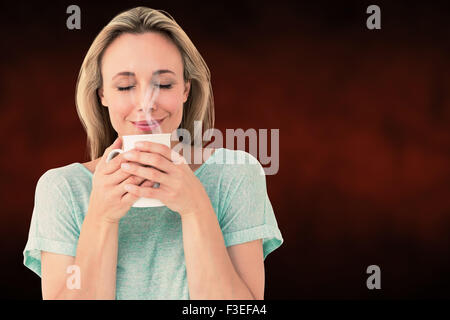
(364, 130)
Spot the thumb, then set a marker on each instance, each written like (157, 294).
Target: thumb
(117, 144)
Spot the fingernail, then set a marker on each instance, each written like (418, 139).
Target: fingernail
(127, 155)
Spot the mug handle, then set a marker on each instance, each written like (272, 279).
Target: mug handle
(114, 153)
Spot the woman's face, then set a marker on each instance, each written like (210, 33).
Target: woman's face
(129, 68)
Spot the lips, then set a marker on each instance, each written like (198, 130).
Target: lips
(145, 125)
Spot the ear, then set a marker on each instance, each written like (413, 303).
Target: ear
(102, 97)
(187, 88)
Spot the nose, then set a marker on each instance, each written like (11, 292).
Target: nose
(145, 108)
(147, 99)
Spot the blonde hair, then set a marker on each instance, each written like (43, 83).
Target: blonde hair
(95, 117)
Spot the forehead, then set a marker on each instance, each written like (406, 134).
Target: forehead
(141, 54)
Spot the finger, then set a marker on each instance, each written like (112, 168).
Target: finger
(147, 183)
(154, 193)
(150, 159)
(114, 164)
(117, 144)
(148, 173)
(159, 148)
(128, 198)
(133, 180)
(120, 176)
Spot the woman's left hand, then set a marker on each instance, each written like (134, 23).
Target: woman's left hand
(180, 190)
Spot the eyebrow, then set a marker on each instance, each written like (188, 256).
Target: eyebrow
(157, 72)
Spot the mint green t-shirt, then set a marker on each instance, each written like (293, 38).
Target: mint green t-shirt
(151, 262)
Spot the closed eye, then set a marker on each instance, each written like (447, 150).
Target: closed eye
(164, 86)
(161, 86)
(124, 88)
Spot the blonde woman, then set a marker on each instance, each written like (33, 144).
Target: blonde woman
(209, 241)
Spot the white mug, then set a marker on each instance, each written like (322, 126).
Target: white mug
(128, 144)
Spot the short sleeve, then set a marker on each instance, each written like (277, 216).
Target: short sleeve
(247, 212)
(53, 227)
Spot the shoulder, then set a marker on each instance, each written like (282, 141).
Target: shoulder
(63, 172)
(238, 160)
(229, 156)
(63, 178)
(236, 165)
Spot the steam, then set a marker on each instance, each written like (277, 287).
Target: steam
(145, 99)
(151, 94)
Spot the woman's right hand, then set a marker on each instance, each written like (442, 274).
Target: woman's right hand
(109, 201)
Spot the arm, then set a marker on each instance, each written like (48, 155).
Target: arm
(248, 260)
(96, 257)
(212, 271)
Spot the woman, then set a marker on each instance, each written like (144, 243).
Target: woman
(209, 241)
